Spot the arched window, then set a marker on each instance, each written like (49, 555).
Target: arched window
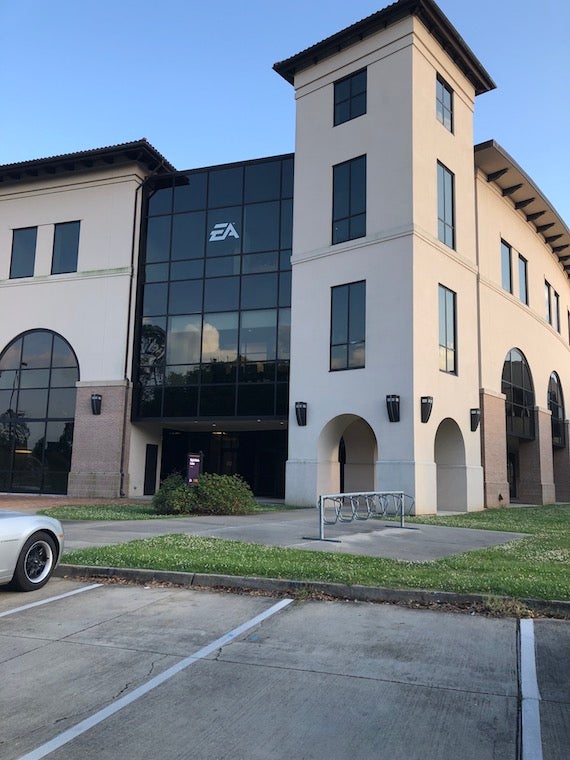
(38, 372)
(556, 406)
(517, 386)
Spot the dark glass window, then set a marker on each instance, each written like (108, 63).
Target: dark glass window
(222, 265)
(348, 326)
(226, 187)
(185, 297)
(23, 252)
(349, 200)
(350, 97)
(287, 178)
(160, 198)
(444, 103)
(156, 272)
(65, 248)
(556, 406)
(552, 306)
(185, 270)
(155, 296)
(261, 227)
(260, 262)
(259, 291)
(221, 294)
(190, 192)
(37, 406)
(286, 224)
(445, 206)
(447, 330)
(188, 235)
(217, 400)
(517, 386)
(263, 182)
(285, 289)
(506, 264)
(181, 401)
(523, 280)
(158, 239)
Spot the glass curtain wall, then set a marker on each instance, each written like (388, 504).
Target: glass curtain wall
(215, 293)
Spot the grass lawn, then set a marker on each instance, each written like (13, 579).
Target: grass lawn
(537, 566)
(122, 511)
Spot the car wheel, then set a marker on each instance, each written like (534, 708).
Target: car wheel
(35, 563)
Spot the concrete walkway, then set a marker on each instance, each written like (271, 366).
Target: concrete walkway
(291, 528)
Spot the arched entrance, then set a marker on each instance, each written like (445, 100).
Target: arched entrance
(517, 385)
(347, 454)
(449, 456)
(38, 372)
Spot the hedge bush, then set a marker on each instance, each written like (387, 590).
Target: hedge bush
(211, 495)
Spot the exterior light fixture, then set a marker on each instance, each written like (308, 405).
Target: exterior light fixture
(426, 405)
(475, 415)
(96, 400)
(301, 413)
(393, 407)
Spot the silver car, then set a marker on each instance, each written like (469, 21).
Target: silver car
(30, 548)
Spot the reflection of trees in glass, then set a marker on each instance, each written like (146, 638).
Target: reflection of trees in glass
(152, 348)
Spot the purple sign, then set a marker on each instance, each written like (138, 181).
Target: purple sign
(193, 468)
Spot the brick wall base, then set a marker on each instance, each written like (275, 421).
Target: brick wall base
(98, 456)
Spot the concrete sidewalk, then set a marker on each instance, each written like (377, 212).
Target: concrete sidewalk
(298, 528)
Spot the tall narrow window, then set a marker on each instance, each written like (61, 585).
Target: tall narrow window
(445, 206)
(23, 252)
(547, 303)
(65, 248)
(444, 103)
(506, 271)
(447, 331)
(349, 200)
(348, 326)
(350, 97)
(523, 280)
(556, 311)
(556, 406)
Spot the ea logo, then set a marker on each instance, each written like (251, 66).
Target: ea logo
(222, 231)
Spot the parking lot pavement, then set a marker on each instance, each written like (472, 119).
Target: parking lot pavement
(313, 680)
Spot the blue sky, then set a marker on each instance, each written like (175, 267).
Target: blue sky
(195, 76)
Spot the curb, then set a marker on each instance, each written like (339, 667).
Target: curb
(354, 593)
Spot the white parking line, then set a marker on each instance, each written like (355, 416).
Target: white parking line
(49, 599)
(530, 695)
(106, 712)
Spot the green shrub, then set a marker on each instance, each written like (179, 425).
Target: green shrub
(223, 495)
(211, 495)
(174, 497)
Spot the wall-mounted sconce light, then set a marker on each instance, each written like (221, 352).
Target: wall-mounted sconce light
(393, 407)
(301, 413)
(96, 399)
(426, 405)
(475, 415)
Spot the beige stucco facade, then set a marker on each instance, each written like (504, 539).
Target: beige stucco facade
(349, 443)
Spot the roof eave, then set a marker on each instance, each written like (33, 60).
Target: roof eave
(430, 15)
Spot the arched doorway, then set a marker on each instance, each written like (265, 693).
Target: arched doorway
(518, 388)
(560, 457)
(38, 373)
(347, 454)
(449, 456)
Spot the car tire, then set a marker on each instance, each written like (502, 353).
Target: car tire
(35, 563)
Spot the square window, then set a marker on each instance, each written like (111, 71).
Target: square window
(350, 97)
